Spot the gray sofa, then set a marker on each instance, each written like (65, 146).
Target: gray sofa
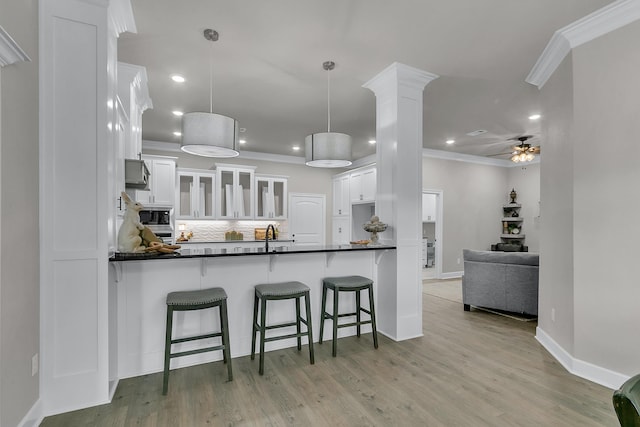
(505, 281)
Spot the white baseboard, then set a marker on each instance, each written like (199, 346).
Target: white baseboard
(452, 275)
(34, 417)
(597, 374)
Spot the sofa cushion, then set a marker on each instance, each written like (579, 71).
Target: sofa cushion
(523, 258)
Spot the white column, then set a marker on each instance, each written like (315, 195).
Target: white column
(398, 91)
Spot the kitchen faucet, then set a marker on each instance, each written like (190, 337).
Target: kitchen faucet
(266, 237)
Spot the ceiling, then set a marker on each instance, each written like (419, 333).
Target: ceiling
(267, 65)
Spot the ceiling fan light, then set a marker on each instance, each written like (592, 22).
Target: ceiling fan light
(328, 150)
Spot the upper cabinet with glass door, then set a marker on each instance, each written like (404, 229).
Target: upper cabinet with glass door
(235, 191)
(271, 197)
(195, 194)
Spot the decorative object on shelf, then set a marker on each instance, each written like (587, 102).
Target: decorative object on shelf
(505, 227)
(515, 214)
(374, 226)
(513, 195)
(209, 134)
(515, 230)
(328, 149)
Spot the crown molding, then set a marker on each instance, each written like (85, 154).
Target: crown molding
(402, 74)
(602, 21)
(174, 147)
(469, 158)
(251, 155)
(10, 52)
(121, 17)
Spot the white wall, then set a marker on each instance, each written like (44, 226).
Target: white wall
(19, 272)
(589, 197)
(473, 195)
(606, 177)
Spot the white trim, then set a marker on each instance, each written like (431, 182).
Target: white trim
(597, 374)
(602, 21)
(452, 275)
(121, 16)
(360, 163)
(469, 158)
(10, 52)
(34, 417)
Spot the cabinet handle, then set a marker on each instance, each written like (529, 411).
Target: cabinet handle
(119, 203)
(339, 211)
(339, 229)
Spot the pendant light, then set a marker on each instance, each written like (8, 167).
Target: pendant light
(209, 134)
(328, 149)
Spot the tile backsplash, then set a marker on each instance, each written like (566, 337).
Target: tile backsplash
(210, 231)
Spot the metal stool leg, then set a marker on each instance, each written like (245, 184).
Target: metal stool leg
(224, 322)
(307, 308)
(323, 311)
(263, 322)
(167, 351)
(255, 327)
(298, 329)
(372, 309)
(334, 351)
(358, 307)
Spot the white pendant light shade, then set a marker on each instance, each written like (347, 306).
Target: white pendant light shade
(328, 150)
(209, 135)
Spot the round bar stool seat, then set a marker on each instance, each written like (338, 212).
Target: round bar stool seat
(280, 291)
(196, 300)
(347, 284)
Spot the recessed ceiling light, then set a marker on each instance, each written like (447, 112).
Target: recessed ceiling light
(242, 141)
(177, 78)
(534, 116)
(295, 148)
(177, 113)
(372, 141)
(477, 132)
(177, 133)
(450, 141)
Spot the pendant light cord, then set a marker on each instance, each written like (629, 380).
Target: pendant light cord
(211, 81)
(328, 101)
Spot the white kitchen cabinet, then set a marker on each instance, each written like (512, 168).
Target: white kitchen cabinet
(428, 208)
(362, 185)
(341, 200)
(271, 197)
(235, 191)
(162, 182)
(341, 234)
(133, 93)
(195, 194)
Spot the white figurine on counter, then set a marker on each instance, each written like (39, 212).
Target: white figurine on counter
(129, 239)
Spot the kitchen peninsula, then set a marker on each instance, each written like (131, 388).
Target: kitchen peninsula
(139, 284)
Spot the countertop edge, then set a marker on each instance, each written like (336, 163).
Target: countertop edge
(214, 253)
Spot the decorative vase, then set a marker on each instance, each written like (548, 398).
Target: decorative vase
(374, 227)
(513, 195)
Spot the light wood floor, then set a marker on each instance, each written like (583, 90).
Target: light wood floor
(469, 369)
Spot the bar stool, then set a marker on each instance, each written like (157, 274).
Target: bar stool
(196, 300)
(280, 291)
(347, 284)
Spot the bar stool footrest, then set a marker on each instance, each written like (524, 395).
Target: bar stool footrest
(199, 337)
(197, 351)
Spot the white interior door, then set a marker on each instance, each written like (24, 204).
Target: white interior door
(307, 220)
(432, 231)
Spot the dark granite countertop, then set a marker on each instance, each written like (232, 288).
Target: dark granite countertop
(185, 253)
(189, 242)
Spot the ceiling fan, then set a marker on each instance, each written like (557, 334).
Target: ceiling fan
(522, 152)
